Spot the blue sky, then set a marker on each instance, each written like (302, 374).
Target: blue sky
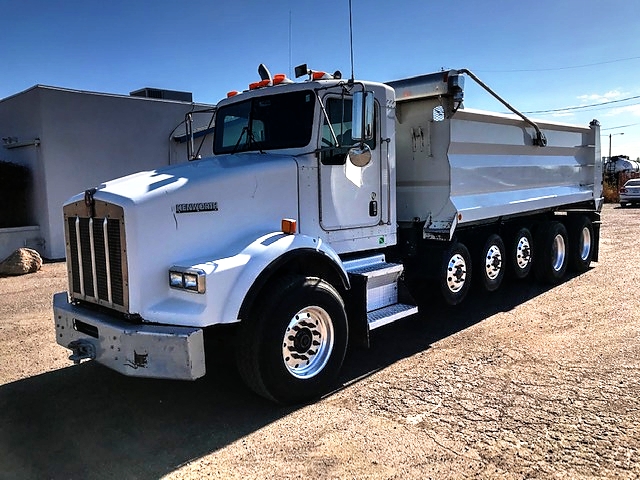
(542, 55)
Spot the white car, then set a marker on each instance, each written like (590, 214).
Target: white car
(630, 192)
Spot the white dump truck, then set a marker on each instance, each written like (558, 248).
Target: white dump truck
(323, 201)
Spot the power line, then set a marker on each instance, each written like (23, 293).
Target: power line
(590, 108)
(560, 68)
(621, 126)
(566, 109)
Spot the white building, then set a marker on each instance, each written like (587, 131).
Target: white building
(73, 140)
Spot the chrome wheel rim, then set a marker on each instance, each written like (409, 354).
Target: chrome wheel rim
(308, 342)
(493, 262)
(523, 253)
(456, 273)
(585, 242)
(559, 252)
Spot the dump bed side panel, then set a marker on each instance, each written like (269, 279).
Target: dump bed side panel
(479, 166)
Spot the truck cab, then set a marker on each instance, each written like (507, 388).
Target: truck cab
(346, 204)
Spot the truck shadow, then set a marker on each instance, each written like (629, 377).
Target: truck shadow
(89, 422)
(435, 322)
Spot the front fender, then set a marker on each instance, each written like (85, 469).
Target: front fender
(229, 279)
(266, 251)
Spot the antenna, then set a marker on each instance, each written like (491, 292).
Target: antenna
(351, 39)
(289, 42)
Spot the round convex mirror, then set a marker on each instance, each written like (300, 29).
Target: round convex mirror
(360, 155)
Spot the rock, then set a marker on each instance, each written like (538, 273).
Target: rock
(23, 260)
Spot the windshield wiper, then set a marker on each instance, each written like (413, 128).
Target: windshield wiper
(244, 130)
(253, 140)
(250, 140)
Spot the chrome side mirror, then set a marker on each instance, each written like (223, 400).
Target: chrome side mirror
(362, 116)
(360, 155)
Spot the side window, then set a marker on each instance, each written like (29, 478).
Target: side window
(339, 113)
(338, 119)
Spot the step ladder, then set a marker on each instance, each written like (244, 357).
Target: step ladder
(381, 289)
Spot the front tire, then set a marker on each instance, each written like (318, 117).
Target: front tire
(551, 260)
(292, 348)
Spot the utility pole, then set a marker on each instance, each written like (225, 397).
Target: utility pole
(611, 135)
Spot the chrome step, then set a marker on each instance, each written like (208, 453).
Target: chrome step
(381, 280)
(383, 316)
(377, 280)
(382, 285)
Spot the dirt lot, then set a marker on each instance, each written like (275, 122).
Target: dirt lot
(527, 382)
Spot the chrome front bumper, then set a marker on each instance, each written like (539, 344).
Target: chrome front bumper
(155, 351)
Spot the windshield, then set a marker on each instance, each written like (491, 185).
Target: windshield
(265, 123)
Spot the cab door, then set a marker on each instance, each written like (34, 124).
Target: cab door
(349, 195)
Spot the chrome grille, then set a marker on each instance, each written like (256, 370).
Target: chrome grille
(96, 258)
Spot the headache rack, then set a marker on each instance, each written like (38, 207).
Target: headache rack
(96, 254)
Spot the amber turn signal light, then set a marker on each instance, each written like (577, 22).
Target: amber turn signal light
(289, 226)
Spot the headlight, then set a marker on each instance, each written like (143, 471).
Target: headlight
(190, 279)
(176, 279)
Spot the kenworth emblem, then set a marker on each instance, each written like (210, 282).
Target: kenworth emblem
(196, 207)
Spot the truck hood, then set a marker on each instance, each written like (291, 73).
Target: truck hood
(218, 198)
(207, 209)
(142, 187)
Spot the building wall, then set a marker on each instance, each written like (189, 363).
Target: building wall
(21, 124)
(20, 121)
(85, 139)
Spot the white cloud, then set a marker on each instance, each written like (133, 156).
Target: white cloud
(600, 98)
(629, 109)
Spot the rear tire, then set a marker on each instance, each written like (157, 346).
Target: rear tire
(491, 265)
(292, 348)
(551, 260)
(455, 273)
(581, 240)
(521, 253)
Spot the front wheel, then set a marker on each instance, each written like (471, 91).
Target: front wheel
(292, 349)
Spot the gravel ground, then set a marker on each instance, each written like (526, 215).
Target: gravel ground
(528, 382)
